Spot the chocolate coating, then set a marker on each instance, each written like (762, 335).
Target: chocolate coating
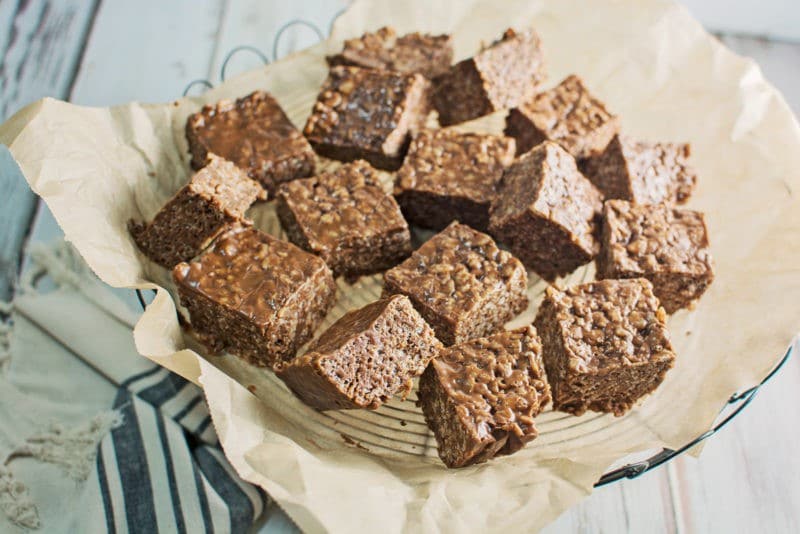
(429, 55)
(347, 219)
(566, 114)
(503, 75)
(642, 172)
(605, 344)
(215, 197)
(255, 295)
(668, 246)
(546, 212)
(366, 357)
(480, 397)
(461, 283)
(369, 114)
(450, 176)
(254, 133)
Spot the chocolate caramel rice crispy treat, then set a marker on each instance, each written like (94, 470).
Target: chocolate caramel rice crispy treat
(364, 358)
(668, 246)
(546, 211)
(605, 345)
(461, 283)
(566, 114)
(502, 75)
(429, 55)
(480, 397)
(255, 296)
(450, 176)
(347, 219)
(216, 196)
(254, 133)
(642, 172)
(367, 114)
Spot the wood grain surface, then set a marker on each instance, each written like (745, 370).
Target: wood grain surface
(40, 50)
(748, 478)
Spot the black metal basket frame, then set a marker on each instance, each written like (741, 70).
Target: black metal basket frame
(733, 407)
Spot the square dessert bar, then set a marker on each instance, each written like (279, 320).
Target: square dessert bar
(566, 114)
(546, 211)
(216, 196)
(647, 173)
(255, 296)
(364, 358)
(480, 397)
(605, 345)
(429, 55)
(369, 114)
(346, 218)
(461, 283)
(668, 246)
(254, 133)
(449, 176)
(502, 75)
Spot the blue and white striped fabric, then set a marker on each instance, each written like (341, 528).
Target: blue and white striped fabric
(161, 470)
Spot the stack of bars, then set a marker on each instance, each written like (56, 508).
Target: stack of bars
(560, 187)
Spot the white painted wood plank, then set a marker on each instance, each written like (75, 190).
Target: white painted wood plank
(640, 505)
(255, 23)
(40, 45)
(747, 477)
(140, 51)
(15, 220)
(183, 43)
(778, 19)
(146, 50)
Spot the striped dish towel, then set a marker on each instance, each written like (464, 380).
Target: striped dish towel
(161, 470)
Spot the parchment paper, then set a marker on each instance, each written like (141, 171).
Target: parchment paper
(656, 68)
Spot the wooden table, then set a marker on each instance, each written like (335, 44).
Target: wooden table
(93, 53)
